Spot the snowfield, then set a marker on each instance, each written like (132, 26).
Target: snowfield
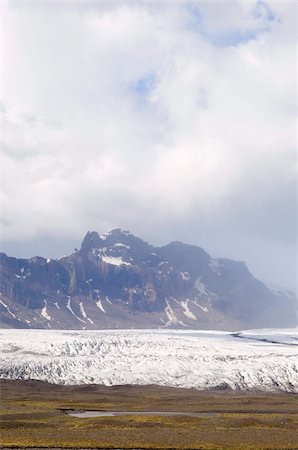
(251, 360)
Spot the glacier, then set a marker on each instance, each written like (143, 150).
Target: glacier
(260, 360)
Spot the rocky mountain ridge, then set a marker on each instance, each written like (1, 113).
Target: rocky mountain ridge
(117, 280)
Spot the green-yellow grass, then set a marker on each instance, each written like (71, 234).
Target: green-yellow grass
(33, 414)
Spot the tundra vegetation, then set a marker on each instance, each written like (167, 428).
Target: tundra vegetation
(34, 414)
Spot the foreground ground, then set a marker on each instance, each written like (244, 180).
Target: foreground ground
(33, 415)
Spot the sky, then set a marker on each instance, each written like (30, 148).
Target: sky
(174, 120)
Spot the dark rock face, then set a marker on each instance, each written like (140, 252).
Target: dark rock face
(118, 280)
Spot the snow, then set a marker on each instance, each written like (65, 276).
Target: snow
(12, 314)
(68, 306)
(99, 305)
(185, 275)
(24, 276)
(44, 312)
(103, 237)
(84, 313)
(8, 310)
(172, 319)
(186, 311)
(115, 260)
(180, 358)
(82, 310)
(204, 308)
(119, 244)
(48, 260)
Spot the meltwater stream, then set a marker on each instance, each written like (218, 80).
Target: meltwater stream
(89, 414)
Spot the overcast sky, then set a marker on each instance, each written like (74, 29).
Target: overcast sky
(174, 120)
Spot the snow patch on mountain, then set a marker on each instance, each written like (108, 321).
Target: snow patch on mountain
(3, 304)
(172, 319)
(8, 309)
(185, 276)
(186, 311)
(119, 244)
(83, 312)
(203, 308)
(115, 260)
(99, 305)
(68, 306)
(44, 313)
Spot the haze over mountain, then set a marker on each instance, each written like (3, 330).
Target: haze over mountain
(117, 280)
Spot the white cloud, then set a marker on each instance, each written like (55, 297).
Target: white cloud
(148, 116)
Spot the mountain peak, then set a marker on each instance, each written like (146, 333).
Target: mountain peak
(118, 232)
(136, 247)
(91, 240)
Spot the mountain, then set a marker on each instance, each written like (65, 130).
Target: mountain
(117, 280)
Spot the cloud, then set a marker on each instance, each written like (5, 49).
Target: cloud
(233, 23)
(175, 117)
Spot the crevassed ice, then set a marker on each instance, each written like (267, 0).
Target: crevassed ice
(197, 359)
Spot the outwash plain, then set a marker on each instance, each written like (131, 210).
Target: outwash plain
(35, 414)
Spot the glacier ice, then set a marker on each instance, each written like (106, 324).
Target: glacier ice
(253, 360)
